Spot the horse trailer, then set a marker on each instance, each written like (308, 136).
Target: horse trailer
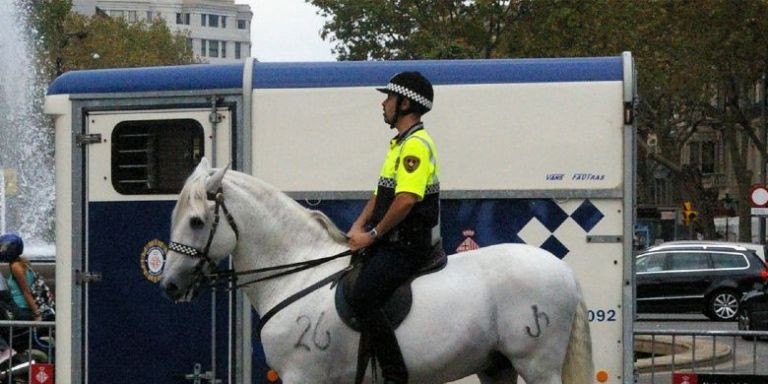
(536, 151)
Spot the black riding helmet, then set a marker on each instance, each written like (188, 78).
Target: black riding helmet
(415, 87)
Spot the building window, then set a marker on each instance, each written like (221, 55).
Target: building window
(149, 15)
(703, 154)
(203, 47)
(182, 18)
(213, 20)
(223, 49)
(237, 50)
(116, 14)
(213, 48)
(224, 22)
(187, 18)
(189, 44)
(155, 156)
(203, 19)
(242, 24)
(133, 16)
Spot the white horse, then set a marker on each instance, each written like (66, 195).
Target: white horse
(490, 307)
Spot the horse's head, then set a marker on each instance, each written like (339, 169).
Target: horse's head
(198, 239)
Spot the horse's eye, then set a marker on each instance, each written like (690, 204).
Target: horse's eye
(196, 223)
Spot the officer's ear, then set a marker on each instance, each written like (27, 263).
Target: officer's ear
(405, 105)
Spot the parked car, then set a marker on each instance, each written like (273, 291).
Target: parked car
(705, 277)
(753, 311)
(758, 248)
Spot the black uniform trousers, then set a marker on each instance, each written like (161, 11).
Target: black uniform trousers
(387, 267)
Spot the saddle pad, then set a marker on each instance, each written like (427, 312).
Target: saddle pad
(399, 304)
(396, 308)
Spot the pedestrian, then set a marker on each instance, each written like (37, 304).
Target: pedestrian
(396, 226)
(20, 278)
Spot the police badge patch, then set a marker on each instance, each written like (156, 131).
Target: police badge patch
(411, 163)
(153, 260)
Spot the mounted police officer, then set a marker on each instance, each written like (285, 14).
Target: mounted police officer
(397, 224)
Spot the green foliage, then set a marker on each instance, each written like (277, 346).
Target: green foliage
(119, 43)
(69, 41)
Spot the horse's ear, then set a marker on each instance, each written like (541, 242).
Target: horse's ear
(203, 166)
(214, 182)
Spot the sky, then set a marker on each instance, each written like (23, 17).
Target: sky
(287, 30)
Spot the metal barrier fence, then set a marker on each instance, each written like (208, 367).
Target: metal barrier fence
(30, 342)
(660, 352)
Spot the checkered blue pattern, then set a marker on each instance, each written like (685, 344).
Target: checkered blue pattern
(531, 221)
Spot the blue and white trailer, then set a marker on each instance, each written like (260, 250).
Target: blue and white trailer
(539, 151)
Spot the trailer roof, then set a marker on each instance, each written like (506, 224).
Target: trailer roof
(337, 74)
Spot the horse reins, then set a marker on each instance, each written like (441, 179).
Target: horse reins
(230, 275)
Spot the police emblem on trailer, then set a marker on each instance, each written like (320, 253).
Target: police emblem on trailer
(153, 260)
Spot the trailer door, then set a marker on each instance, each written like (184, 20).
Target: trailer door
(136, 163)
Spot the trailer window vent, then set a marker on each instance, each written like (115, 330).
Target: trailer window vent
(155, 156)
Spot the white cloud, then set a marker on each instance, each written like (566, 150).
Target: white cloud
(287, 30)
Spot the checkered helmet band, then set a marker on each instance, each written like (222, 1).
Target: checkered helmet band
(411, 94)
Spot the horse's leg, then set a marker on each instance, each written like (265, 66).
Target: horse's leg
(500, 371)
(503, 376)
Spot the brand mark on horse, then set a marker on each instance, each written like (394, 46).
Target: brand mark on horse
(301, 344)
(536, 316)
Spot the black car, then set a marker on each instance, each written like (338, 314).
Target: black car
(753, 313)
(691, 277)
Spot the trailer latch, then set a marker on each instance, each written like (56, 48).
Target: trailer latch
(604, 239)
(198, 376)
(88, 138)
(82, 277)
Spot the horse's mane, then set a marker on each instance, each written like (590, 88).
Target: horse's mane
(336, 234)
(194, 190)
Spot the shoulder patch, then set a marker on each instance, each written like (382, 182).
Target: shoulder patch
(411, 163)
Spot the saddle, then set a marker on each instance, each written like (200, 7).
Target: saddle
(396, 308)
(399, 304)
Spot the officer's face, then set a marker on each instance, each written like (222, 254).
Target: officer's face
(389, 106)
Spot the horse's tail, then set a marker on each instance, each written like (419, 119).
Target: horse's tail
(577, 366)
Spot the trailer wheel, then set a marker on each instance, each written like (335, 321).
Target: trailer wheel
(723, 305)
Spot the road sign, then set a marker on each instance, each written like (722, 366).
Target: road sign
(700, 378)
(758, 195)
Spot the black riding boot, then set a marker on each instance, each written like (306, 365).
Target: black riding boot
(385, 347)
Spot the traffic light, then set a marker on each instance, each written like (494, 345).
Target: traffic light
(689, 215)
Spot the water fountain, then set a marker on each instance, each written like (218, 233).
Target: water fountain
(26, 137)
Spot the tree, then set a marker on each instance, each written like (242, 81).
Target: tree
(70, 41)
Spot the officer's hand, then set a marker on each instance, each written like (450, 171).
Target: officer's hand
(359, 240)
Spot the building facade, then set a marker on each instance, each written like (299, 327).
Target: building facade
(219, 31)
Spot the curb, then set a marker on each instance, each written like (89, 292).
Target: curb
(678, 352)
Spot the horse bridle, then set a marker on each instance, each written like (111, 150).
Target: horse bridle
(202, 254)
(230, 275)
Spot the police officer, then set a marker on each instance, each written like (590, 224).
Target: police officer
(397, 223)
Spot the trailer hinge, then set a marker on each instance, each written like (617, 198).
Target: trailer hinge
(198, 376)
(88, 138)
(82, 277)
(214, 117)
(604, 239)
